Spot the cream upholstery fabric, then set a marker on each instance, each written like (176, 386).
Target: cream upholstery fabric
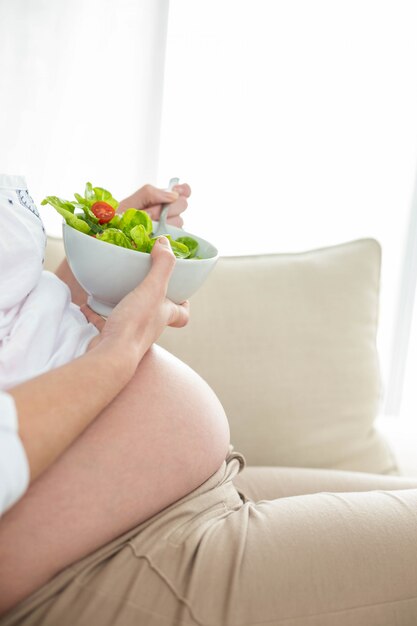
(287, 341)
(54, 253)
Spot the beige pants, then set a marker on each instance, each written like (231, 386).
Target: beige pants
(215, 558)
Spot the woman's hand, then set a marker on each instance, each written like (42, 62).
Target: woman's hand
(140, 318)
(151, 199)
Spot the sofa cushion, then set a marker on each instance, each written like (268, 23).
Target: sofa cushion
(54, 253)
(288, 343)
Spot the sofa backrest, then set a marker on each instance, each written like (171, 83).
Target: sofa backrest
(288, 343)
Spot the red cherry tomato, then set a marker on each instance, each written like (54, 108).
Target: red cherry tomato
(103, 211)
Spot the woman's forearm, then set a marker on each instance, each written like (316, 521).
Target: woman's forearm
(78, 295)
(54, 408)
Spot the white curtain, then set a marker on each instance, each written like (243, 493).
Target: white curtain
(81, 93)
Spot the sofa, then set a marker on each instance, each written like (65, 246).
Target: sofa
(288, 343)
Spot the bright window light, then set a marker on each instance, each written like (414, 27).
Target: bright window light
(295, 123)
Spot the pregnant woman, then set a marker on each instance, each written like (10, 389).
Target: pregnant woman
(138, 510)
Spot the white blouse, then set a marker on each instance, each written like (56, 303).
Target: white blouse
(40, 328)
(14, 467)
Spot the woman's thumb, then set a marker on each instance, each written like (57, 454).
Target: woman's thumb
(163, 261)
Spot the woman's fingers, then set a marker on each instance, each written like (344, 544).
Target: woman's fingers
(180, 314)
(177, 221)
(92, 317)
(183, 190)
(151, 195)
(151, 199)
(175, 209)
(147, 196)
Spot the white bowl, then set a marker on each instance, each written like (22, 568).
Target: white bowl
(108, 272)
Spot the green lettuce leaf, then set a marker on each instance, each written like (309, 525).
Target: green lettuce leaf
(95, 228)
(66, 209)
(140, 237)
(114, 222)
(95, 194)
(135, 217)
(98, 194)
(89, 194)
(191, 244)
(131, 230)
(82, 204)
(59, 203)
(116, 237)
(179, 249)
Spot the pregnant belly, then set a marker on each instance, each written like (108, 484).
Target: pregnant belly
(181, 391)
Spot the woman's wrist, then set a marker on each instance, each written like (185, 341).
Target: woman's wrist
(122, 353)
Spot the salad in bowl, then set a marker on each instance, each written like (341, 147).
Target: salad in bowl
(95, 214)
(108, 272)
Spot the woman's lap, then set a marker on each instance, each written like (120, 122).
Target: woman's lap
(311, 560)
(269, 483)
